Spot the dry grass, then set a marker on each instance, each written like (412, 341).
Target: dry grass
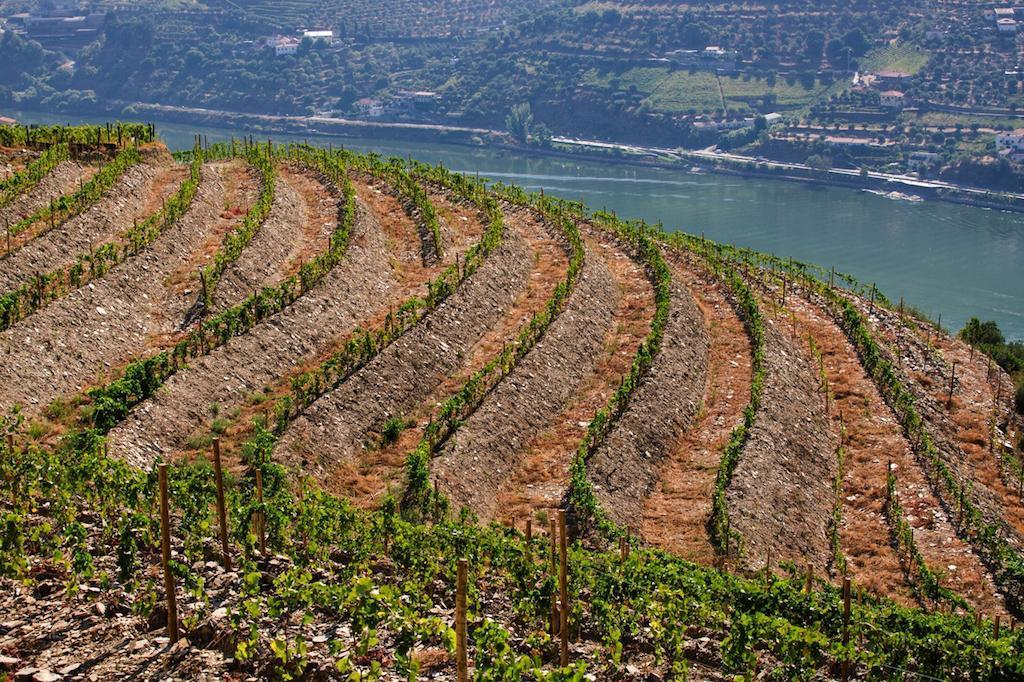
(675, 517)
(241, 188)
(367, 480)
(540, 481)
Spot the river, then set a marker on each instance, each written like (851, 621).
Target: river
(944, 259)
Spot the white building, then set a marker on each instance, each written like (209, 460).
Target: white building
(327, 36)
(283, 45)
(1006, 25)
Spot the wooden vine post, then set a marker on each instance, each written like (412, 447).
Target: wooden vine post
(529, 539)
(563, 587)
(846, 628)
(222, 516)
(461, 663)
(810, 578)
(952, 380)
(165, 547)
(554, 599)
(261, 521)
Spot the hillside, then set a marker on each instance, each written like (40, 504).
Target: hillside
(343, 374)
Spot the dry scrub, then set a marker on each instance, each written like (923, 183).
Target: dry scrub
(676, 513)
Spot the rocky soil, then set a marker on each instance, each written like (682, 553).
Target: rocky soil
(625, 469)
(234, 372)
(780, 498)
(961, 427)
(79, 339)
(63, 179)
(676, 514)
(334, 428)
(269, 257)
(540, 478)
(103, 222)
(488, 448)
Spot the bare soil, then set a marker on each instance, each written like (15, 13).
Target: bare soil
(105, 221)
(676, 513)
(236, 373)
(461, 225)
(407, 267)
(540, 480)
(625, 468)
(287, 237)
(970, 422)
(242, 186)
(334, 428)
(365, 477)
(961, 427)
(874, 439)
(63, 179)
(490, 447)
(780, 498)
(80, 338)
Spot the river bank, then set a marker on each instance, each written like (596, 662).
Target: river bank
(603, 152)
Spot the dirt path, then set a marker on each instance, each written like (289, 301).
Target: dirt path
(237, 372)
(490, 446)
(676, 514)
(287, 237)
(130, 199)
(626, 467)
(63, 179)
(78, 339)
(780, 497)
(333, 429)
(541, 478)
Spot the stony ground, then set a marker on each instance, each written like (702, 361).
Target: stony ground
(626, 468)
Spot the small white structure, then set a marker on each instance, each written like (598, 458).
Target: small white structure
(1006, 25)
(327, 36)
(892, 99)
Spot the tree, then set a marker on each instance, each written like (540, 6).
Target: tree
(519, 122)
(978, 333)
(814, 44)
(834, 51)
(857, 42)
(819, 162)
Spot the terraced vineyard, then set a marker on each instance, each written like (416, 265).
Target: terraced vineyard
(660, 457)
